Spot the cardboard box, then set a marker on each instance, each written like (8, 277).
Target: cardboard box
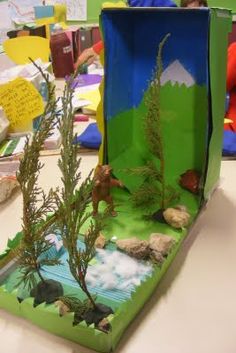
(131, 40)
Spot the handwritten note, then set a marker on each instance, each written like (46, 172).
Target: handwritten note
(76, 9)
(21, 103)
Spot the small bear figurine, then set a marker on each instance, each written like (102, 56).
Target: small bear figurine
(103, 182)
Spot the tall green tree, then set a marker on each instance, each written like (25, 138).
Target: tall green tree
(74, 201)
(154, 190)
(36, 204)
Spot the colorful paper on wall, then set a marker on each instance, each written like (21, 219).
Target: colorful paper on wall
(60, 13)
(21, 103)
(44, 11)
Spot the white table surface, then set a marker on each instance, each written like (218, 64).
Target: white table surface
(193, 309)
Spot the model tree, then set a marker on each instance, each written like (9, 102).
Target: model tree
(32, 252)
(73, 211)
(154, 188)
(69, 213)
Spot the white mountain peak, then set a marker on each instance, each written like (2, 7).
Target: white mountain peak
(176, 73)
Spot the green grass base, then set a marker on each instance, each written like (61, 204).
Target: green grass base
(129, 222)
(46, 316)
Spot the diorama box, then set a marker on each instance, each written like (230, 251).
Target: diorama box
(190, 101)
(193, 87)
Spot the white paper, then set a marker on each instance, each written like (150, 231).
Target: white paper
(5, 21)
(76, 9)
(28, 71)
(76, 103)
(3, 34)
(22, 11)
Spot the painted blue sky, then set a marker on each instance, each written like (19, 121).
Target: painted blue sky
(131, 41)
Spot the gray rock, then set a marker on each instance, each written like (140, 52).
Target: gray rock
(156, 257)
(100, 241)
(161, 243)
(177, 217)
(104, 325)
(48, 291)
(134, 247)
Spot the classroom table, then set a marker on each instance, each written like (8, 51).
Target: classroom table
(192, 310)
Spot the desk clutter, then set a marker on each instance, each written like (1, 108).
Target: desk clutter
(18, 124)
(65, 45)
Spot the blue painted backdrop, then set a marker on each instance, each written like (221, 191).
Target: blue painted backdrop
(131, 50)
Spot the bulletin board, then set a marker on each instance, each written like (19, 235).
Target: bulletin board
(94, 8)
(22, 11)
(76, 9)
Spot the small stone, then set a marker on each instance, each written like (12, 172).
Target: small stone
(100, 241)
(134, 247)
(156, 257)
(7, 185)
(104, 325)
(95, 315)
(176, 217)
(161, 243)
(190, 181)
(63, 308)
(113, 239)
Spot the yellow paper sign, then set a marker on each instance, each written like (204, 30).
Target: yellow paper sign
(21, 103)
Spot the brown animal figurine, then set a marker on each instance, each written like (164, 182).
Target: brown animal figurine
(103, 182)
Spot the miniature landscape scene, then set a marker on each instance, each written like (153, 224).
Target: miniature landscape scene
(90, 254)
